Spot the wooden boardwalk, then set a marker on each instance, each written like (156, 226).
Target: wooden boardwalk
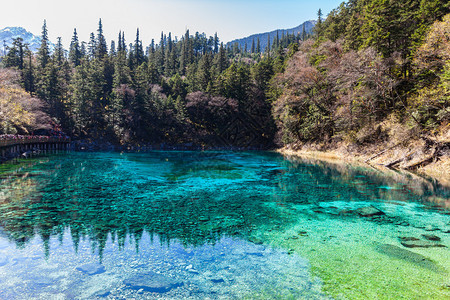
(26, 145)
(29, 139)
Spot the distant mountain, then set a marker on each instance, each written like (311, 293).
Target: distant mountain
(309, 25)
(8, 34)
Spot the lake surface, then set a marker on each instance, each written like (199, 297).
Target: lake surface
(219, 225)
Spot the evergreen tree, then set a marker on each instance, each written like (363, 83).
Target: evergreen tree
(28, 73)
(101, 49)
(204, 75)
(131, 60)
(303, 32)
(119, 43)
(74, 50)
(235, 50)
(258, 46)
(184, 59)
(83, 49)
(160, 54)
(216, 43)
(92, 46)
(124, 45)
(15, 55)
(277, 41)
(49, 89)
(318, 28)
(138, 50)
(58, 54)
(268, 44)
(112, 48)
(151, 52)
(44, 52)
(220, 60)
(262, 72)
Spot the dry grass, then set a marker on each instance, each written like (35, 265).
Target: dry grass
(439, 169)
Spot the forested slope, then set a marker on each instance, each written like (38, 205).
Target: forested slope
(375, 78)
(191, 91)
(375, 73)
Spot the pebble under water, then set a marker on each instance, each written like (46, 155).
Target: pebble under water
(219, 225)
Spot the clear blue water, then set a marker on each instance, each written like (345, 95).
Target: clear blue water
(219, 225)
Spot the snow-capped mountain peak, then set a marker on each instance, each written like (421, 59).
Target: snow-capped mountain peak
(8, 34)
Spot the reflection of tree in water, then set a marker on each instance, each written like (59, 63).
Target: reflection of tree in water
(338, 181)
(96, 199)
(16, 188)
(113, 205)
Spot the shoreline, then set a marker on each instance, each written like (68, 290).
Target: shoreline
(437, 170)
(426, 166)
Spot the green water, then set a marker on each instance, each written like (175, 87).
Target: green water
(218, 225)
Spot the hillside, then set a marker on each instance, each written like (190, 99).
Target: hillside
(309, 25)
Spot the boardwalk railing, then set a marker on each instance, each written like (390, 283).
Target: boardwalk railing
(10, 140)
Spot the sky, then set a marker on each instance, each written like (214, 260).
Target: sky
(231, 19)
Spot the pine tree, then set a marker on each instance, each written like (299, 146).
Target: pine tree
(124, 45)
(220, 62)
(151, 52)
(119, 43)
(131, 60)
(101, 49)
(170, 57)
(83, 50)
(235, 49)
(48, 89)
(184, 60)
(28, 74)
(204, 72)
(112, 48)
(216, 43)
(44, 52)
(277, 43)
(190, 51)
(253, 46)
(262, 72)
(15, 55)
(268, 44)
(258, 46)
(161, 54)
(58, 54)
(318, 28)
(92, 46)
(138, 51)
(303, 32)
(74, 50)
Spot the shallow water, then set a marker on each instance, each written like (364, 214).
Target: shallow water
(219, 225)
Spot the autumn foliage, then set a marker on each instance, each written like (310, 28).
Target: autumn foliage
(20, 113)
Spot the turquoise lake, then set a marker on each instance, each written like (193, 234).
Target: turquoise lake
(219, 225)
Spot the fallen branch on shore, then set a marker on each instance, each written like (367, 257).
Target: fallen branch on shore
(384, 151)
